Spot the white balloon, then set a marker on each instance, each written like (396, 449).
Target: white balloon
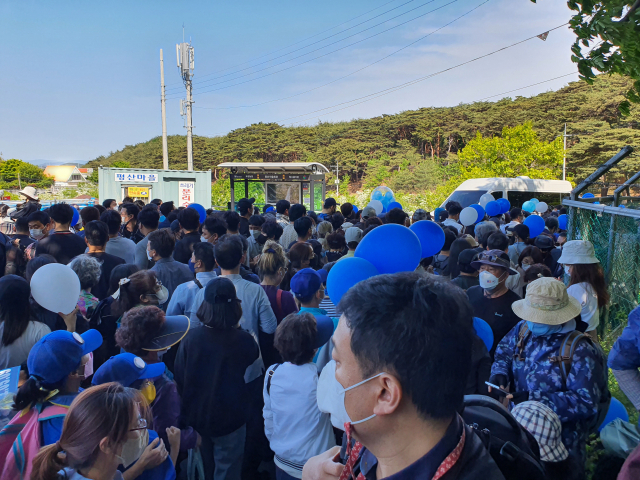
(468, 216)
(377, 206)
(56, 288)
(486, 198)
(541, 207)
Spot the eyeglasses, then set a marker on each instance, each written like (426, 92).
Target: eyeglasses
(491, 257)
(142, 425)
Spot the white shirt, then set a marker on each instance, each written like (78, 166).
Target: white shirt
(18, 352)
(289, 235)
(450, 222)
(586, 295)
(296, 429)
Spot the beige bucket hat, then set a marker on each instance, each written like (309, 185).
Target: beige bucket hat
(547, 302)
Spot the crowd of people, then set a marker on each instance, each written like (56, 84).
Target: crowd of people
(210, 343)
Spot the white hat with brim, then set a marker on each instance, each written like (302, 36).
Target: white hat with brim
(547, 302)
(576, 252)
(29, 192)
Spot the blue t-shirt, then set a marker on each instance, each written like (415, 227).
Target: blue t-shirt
(164, 471)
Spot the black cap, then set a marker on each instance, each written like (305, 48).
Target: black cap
(544, 242)
(220, 290)
(467, 256)
(174, 328)
(247, 202)
(330, 202)
(521, 230)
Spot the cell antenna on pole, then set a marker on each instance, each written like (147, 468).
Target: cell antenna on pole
(165, 150)
(186, 64)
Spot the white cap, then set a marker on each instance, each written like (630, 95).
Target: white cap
(353, 234)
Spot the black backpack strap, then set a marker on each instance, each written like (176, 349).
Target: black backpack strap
(565, 357)
(523, 337)
(270, 374)
(197, 282)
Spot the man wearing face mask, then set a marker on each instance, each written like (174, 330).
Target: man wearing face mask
(189, 219)
(61, 243)
(245, 209)
(203, 263)
(148, 221)
(394, 384)
(39, 225)
(492, 300)
(255, 229)
(212, 229)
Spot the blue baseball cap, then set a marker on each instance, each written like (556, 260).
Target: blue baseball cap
(307, 282)
(59, 353)
(325, 328)
(125, 369)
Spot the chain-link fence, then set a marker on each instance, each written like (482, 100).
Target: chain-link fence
(615, 234)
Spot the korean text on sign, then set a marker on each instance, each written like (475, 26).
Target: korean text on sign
(136, 177)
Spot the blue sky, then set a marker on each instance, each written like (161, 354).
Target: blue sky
(81, 79)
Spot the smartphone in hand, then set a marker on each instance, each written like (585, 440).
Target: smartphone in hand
(497, 389)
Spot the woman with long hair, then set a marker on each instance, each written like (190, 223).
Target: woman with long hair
(103, 425)
(458, 246)
(140, 289)
(586, 284)
(18, 333)
(300, 257)
(272, 269)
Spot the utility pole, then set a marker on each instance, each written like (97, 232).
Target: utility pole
(165, 149)
(337, 180)
(184, 54)
(564, 154)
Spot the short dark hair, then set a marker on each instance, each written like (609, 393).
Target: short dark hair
(138, 327)
(272, 229)
(449, 238)
(282, 206)
(22, 225)
(295, 338)
(61, 213)
(297, 211)
(498, 241)
(189, 219)
(346, 209)
(166, 208)
(149, 218)
(562, 211)
(221, 316)
(228, 251)
(396, 215)
(113, 221)
(535, 271)
(163, 242)
(454, 209)
(551, 222)
(215, 225)
(131, 209)
(442, 216)
(336, 220)
(533, 252)
(416, 328)
(302, 226)
(204, 252)
(96, 233)
(256, 220)
(107, 203)
(515, 213)
(336, 241)
(232, 219)
(89, 214)
(156, 201)
(37, 262)
(244, 241)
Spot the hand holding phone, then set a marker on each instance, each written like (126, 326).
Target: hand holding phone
(499, 390)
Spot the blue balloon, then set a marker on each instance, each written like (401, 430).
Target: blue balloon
(345, 274)
(389, 195)
(616, 410)
(588, 195)
(535, 224)
(480, 210)
(431, 237)
(562, 221)
(622, 206)
(528, 206)
(271, 209)
(200, 209)
(505, 206)
(76, 217)
(391, 248)
(437, 212)
(377, 195)
(493, 208)
(393, 205)
(483, 330)
(355, 209)
(535, 201)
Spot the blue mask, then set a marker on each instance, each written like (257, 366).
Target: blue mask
(191, 266)
(540, 329)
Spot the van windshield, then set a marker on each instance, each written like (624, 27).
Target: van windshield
(464, 197)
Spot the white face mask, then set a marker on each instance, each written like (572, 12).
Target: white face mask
(149, 257)
(331, 396)
(526, 266)
(204, 240)
(163, 295)
(488, 281)
(36, 233)
(134, 447)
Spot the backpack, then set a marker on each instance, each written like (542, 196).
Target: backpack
(565, 359)
(21, 439)
(513, 449)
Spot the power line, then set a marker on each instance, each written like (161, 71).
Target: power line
(532, 85)
(354, 72)
(395, 88)
(300, 41)
(323, 55)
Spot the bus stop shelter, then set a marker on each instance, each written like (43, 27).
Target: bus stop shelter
(269, 182)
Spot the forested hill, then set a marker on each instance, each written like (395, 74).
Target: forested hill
(426, 139)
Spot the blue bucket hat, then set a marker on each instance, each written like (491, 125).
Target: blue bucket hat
(125, 369)
(59, 353)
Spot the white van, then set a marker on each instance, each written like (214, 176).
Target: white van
(517, 190)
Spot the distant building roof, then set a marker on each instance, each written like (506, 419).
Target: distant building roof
(61, 173)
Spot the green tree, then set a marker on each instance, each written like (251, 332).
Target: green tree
(121, 164)
(615, 24)
(15, 173)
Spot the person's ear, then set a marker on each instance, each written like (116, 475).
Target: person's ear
(388, 393)
(106, 446)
